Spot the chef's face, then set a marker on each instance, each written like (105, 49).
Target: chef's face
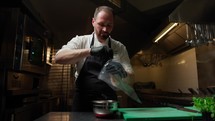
(103, 24)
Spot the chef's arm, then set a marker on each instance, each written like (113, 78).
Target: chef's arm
(68, 56)
(71, 56)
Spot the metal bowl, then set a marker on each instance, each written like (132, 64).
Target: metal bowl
(105, 108)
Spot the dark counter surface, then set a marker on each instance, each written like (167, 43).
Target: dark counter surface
(129, 114)
(73, 116)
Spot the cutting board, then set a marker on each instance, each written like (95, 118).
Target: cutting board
(157, 114)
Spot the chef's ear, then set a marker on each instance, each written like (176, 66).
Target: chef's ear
(93, 21)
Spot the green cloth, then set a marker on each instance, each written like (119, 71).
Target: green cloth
(158, 113)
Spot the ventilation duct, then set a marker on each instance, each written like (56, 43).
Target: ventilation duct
(194, 11)
(200, 20)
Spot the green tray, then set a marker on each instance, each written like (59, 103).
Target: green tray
(158, 114)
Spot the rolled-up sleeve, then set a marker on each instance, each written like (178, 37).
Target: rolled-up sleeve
(78, 42)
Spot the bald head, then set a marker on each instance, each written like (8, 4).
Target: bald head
(103, 8)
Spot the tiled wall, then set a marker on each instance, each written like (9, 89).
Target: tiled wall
(206, 65)
(176, 72)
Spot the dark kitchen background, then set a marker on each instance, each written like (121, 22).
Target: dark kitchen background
(181, 63)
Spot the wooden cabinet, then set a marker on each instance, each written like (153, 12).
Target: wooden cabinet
(20, 99)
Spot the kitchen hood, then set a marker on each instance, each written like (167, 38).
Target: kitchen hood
(197, 13)
(174, 41)
(194, 11)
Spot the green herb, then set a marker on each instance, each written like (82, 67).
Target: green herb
(205, 104)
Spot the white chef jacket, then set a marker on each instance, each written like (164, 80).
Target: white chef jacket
(84, 41)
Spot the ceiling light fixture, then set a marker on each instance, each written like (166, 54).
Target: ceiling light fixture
(165, 31)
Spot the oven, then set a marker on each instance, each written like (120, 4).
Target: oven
(24, 42)
(23, 56)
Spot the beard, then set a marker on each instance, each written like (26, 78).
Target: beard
(104, 35)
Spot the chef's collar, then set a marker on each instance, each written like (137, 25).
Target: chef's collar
(97, 41)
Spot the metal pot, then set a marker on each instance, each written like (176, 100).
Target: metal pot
(105, 108)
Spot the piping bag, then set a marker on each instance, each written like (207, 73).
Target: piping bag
(117, 82)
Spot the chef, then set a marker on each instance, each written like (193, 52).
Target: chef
(89, 53)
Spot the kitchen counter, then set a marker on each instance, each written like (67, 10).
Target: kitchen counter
(73, 116)
(128, 114)
(158, 97)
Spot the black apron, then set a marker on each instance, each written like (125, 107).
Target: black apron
(88, 86)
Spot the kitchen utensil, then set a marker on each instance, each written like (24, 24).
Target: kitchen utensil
(179, 107)
(105, 108)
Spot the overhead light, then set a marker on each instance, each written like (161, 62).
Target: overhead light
(165, 31)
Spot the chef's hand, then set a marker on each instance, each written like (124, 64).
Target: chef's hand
(116, 68)
(102, 51)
